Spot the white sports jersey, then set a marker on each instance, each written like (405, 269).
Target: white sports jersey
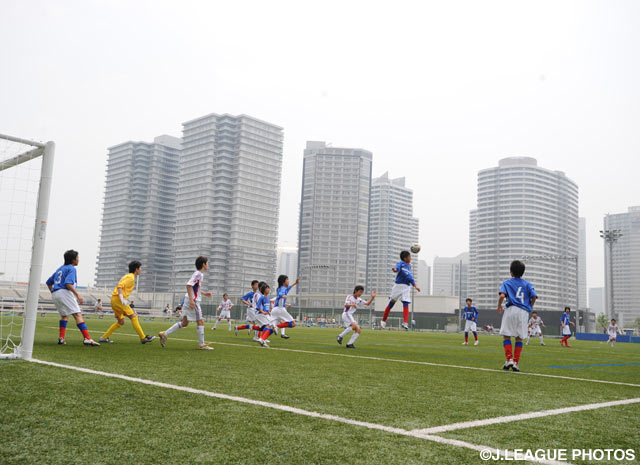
(613, 330)
(535, 323)
(195, 282)
(225, 306)
(350, 300)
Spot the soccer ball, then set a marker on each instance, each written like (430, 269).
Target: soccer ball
(415, 248)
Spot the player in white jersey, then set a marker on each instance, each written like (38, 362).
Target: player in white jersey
(225, 311)
(191, 310)
(613, 332)
(350, 324)
(534, 327)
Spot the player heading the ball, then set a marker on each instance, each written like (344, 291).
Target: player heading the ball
(401, 289)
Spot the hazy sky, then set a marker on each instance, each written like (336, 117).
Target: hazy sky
(436, 90)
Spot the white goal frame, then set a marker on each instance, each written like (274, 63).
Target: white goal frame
(46, 151)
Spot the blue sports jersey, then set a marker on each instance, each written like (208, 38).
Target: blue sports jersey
(64, 275)
(470, 314)
(565, 318)
(264, 304)
(248, 296)
(519, 292)
(282, 295)
(404, 275)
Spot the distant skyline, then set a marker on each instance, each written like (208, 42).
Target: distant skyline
(436, 90)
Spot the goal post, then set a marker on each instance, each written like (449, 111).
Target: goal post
(23, 151)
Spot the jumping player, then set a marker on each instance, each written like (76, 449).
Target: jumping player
(565, 322)
(225, 311)
(350, 307)
(534, 327)
(401, 289)
(191, 311)
(470, 315)
(120, 304)
(62, 285)
(279, 314)
(520, 297)
(613, 332)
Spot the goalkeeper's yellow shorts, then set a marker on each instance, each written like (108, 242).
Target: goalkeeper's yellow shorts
(119, 310)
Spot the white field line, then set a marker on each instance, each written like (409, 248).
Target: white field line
(297, 411)
(523, 416)
(412, 362)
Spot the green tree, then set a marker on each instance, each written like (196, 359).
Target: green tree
(602, 321)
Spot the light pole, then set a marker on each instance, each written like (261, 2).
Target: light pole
(560, 258)
(610, 237)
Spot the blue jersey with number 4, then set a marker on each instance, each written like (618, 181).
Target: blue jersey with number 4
(470, 314)
(64, 275)
(519, 292)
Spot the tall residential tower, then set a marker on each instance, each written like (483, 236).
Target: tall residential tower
(530, 213)
(228, 201)
(334, 219)
(139, 213)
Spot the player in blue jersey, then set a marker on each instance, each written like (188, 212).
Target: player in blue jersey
(247, 299)
(520, 297)
(263, 314)
(401, 289)
(565, 322)
(280, 316)
(470, 315)
(62, 285)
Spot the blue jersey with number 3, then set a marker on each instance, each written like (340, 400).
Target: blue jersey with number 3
(64, 275)
(519, 292)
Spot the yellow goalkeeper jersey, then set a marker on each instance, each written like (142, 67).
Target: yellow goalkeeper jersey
(127, 283)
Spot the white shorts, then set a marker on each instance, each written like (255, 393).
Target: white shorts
(612, 337)
(348, 319)
(263, 319)
(535, 331)
(281, 314)
(192, 314)
(470, 326)
(251, 314)
(566, 330)
(225, 314)
(401, 292)
(515, 322)
(66, 303)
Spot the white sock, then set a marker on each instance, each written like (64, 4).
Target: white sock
(613, 343)
(353, 338)
(541, 340)
(346, 331)
(282, 331)
(173, 328)
(201, 335)
(216, 325)
(229, 325)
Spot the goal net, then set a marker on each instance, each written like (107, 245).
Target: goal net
(25, 182)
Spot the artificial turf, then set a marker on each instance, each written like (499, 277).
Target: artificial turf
(53, 415)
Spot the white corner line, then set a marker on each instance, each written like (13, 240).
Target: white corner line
(523, 416)
(294, 410)
(412, 362)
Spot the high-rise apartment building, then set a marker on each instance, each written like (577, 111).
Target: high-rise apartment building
(530, 213)
(334, 218)
(392, 228)
(625, 264)
(228, 200)
(139, 212)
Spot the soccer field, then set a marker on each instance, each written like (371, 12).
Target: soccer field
(308, 400)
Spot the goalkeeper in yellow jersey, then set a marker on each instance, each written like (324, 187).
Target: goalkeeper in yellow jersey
(120, 304)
